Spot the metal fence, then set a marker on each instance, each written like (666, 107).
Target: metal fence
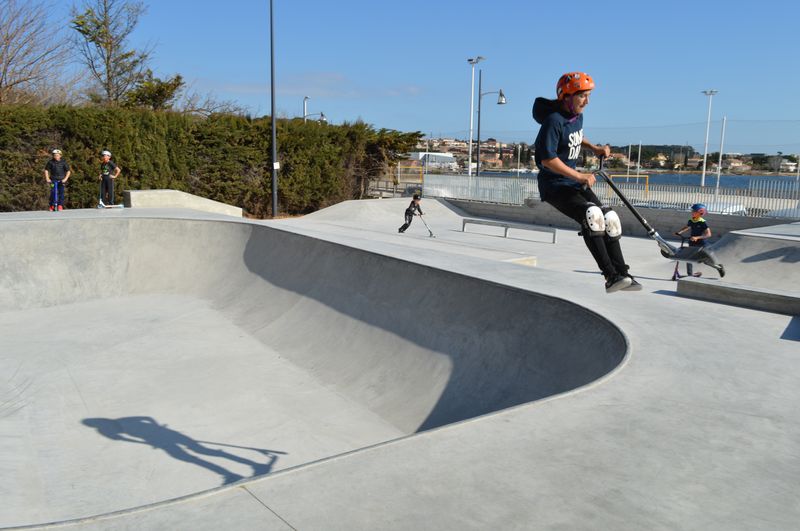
(761, 199)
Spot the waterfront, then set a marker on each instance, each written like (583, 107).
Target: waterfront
(745, 182)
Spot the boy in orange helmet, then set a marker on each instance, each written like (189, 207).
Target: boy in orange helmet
(558, 146)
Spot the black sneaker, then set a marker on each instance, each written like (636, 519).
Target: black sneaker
(635, 286)
(616, 283)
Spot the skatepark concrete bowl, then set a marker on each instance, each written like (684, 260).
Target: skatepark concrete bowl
(132, 341)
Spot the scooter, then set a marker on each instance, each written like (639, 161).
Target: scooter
(685, 254)
(430, 232)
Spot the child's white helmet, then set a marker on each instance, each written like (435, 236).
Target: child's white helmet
(105, 152)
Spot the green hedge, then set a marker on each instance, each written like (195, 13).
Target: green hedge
(223, 157)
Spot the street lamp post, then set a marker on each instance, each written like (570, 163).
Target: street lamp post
(519, 157)
(721, 148)
(501, 100)
(628, 173)
(473, 62)
(639, 161)
(322, 118)
(275, 163)
(710, 93)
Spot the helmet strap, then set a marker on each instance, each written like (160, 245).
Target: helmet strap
(570, 107)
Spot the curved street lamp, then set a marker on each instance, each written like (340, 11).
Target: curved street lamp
(710, 93)
(501, 100)
(322, 118)
(472, 61)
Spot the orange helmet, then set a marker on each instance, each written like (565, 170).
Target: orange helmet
(573, 82)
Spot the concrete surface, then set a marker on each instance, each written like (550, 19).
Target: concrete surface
(628, 411)
(769, 300)
(176, 199)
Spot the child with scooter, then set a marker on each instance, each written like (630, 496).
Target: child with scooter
(411, 211)
(699, 232)
(108, 173)
(57, 173)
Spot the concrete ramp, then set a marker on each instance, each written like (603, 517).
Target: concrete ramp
(146, 358)
(764, 257)
(762, 270)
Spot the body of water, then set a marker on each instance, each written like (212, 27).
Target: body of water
(685, 179)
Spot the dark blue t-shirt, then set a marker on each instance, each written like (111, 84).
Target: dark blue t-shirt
(697, 228)
(560, 136)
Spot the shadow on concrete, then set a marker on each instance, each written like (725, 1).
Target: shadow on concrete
(789, 254)
(666, 292)
(792, 332)
(145, 430)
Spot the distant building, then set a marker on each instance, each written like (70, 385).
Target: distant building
(694, 163)
(621, 157)
(736, 165)
(659, 161)
(439, 161)
(491, 143)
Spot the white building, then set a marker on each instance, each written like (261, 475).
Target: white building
(439, 161)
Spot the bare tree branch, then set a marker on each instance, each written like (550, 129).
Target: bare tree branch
(207, 104)
(31, 52)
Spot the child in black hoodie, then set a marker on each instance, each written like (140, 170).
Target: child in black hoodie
(410, 211)
(558, 146)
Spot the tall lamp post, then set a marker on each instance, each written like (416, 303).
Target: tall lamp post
(305, 107)
(721, 150)
(501, 100)
(710, 93)
(473, 62)
(275, 164)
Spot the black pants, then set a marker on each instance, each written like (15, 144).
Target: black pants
(57, 193)
(409, 219)
(607, 253)
(689, 268)
(107, 190)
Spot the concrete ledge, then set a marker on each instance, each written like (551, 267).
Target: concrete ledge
(769, 300)
(176, 199)
(507, 225)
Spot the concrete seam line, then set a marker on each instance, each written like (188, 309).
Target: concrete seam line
(269, 509)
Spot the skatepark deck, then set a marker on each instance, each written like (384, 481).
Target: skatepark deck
(155, 360)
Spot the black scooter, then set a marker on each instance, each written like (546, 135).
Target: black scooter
(685, 254)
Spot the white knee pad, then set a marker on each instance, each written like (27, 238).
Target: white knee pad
(595, 221)
(613, 224)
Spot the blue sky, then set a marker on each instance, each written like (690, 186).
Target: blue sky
(402, 65)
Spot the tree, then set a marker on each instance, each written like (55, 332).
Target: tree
(205, 105)
(103, 29)
(154, 93)
(30, 52)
